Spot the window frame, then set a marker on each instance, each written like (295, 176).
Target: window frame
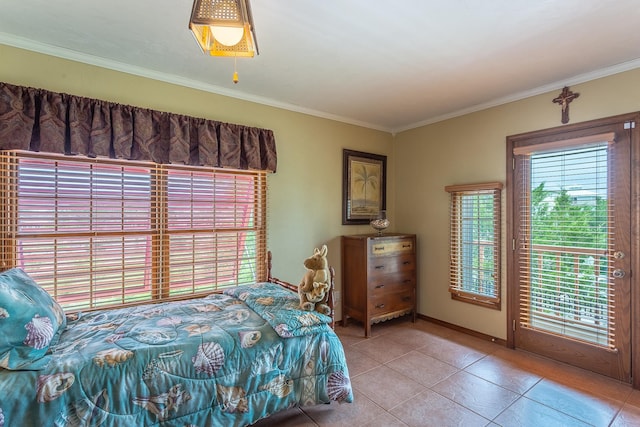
(553, 266)
(458, 287)
(157, 281)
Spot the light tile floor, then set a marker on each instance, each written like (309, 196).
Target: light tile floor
(423, 374)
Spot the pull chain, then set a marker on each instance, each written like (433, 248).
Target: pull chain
(235, 73)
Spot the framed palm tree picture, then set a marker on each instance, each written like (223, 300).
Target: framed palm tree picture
(364, 186)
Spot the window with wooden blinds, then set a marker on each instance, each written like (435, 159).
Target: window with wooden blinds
(96, 233)
(474, 257)
(566, 224)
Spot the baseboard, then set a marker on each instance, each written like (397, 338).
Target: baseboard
(463, 330)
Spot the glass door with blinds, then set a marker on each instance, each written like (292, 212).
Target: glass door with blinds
(570, 228)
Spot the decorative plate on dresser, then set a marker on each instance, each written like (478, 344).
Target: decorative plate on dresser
(378, 277)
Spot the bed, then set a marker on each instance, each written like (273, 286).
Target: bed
(228, 359)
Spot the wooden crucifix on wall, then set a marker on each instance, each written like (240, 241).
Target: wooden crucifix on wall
(564, 99)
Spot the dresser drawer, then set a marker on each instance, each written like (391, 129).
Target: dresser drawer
(395, 282)
(382, 247)
(389, 303)
(382, 266)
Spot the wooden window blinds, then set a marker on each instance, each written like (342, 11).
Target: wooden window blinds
(97, 233)
(567, 238)
(474, 257)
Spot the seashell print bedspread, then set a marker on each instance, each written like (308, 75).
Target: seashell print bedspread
(205, 362)
(281, 308)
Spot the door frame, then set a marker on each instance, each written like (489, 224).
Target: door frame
(511, 234)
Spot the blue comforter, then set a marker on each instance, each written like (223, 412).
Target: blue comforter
(212, 361)
(281, 308)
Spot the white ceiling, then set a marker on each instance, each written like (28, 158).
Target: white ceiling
(388, 65)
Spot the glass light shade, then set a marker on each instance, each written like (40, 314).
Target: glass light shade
(228, 36)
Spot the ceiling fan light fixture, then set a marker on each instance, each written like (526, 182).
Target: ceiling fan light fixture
(224, 27)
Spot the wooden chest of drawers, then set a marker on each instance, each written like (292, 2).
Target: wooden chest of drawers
(378, 277)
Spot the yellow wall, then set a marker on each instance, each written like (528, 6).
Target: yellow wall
(472, 149)
(305, 195)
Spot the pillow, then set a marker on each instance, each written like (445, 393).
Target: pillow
(30, 321)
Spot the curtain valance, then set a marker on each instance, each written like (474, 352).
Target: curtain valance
(40, 120)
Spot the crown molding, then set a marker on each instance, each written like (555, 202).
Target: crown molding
(582, 78)
(22, 43)
(59, 52)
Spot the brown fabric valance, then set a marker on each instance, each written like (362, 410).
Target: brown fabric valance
(40, 120)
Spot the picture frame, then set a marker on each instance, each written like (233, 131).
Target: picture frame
(364, 186)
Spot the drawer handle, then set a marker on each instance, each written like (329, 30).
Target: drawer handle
(378, 248)
(406, 281)
(380, 306)
(379, 286)
(406, 298)
(378, 267)
(406, 263)
(406, 246)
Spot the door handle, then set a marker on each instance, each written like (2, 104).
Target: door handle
(618, 273)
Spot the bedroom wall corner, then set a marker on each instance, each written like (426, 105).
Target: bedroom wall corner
(471, 149)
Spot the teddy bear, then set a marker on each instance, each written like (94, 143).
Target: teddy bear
(315, 285)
